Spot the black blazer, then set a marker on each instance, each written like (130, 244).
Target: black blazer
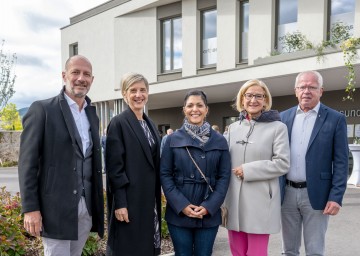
(133, 182)
(47, 168)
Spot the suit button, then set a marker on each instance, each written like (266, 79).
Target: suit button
(192, 176)
(75, 192)
(202, 156)
(74, 169)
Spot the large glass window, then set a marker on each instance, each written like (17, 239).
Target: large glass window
(342, 11)
(171, 44)
(244, 29)
(209, 37)
(287, 13)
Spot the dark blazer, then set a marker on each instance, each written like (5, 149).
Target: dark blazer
(133, 182)
(183, 184)
(47, 168)
(326, 156)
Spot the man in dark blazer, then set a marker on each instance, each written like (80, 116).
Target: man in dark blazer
(60, 165)
(316, 183)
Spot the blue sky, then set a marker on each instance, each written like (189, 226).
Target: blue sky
(31, 29)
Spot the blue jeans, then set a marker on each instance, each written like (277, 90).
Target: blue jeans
(192, 241)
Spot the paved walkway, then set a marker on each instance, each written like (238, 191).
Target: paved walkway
(343, 236)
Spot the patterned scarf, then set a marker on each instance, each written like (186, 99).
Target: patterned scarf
(202, 133)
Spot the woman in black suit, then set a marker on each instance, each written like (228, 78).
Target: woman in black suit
(132, 167)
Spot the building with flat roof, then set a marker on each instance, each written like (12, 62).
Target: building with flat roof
(214, 46)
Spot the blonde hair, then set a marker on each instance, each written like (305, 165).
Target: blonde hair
(131, 78)
(254, 82)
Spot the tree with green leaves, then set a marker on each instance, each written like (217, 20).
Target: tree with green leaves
(7, 76)
(10, 118)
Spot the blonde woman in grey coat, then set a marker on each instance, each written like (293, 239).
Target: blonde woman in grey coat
(259, 150)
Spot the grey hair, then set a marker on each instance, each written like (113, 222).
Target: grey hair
(315, 73)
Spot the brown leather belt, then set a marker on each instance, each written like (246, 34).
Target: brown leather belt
(296, 184)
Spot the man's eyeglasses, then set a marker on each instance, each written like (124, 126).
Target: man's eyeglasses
(310, 88)
(249, 96)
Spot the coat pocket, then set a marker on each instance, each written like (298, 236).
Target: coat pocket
(49, 181)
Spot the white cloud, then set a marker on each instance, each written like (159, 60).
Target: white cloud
(31, 29)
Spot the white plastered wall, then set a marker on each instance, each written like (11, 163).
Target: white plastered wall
(136, 44)
(261, 23)
(227, 32)
(312, 21)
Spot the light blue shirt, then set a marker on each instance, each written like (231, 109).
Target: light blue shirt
(81, 121)
(300, 136)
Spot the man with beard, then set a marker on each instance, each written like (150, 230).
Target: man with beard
(60, 165)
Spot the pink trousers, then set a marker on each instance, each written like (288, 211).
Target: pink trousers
(245, 244)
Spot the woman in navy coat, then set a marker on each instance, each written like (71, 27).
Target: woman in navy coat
(193, 210)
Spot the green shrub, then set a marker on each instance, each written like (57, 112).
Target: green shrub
(9, 164)
(12, 238)
(91, 245)
(296, 42)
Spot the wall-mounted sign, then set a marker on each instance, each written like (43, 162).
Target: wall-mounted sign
(351, 112)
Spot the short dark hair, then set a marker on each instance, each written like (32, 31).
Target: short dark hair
(196, 93)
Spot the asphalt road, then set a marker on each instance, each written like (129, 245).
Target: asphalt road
(343, 235)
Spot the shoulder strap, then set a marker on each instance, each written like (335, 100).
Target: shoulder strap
(202, 174)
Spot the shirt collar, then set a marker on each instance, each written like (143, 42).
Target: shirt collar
(314, 110)
(71, 102)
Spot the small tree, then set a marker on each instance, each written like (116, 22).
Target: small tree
(7, 77)
(10, 118)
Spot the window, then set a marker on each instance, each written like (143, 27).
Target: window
(171, 44)
(73, 49)
(209, 37)
(244, 29)
(229, 120)
(286, 20)
(342, 11)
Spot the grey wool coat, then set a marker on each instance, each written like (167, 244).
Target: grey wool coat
(262, 148)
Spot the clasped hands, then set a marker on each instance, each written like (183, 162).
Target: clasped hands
(239, 172)
(194, 211)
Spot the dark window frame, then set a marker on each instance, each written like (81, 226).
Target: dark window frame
(162, 45)
(212, 8)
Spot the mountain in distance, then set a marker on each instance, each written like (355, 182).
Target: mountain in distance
(23, 111)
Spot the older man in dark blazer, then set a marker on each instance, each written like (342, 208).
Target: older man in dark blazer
(316, 183)
(60, 165)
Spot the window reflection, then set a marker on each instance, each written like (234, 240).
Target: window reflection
(342, 11)
(209, 37)
(287, 12)
(244, 9)
(171, 44)
(342, 6)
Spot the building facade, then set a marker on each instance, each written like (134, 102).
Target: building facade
(212, 45)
